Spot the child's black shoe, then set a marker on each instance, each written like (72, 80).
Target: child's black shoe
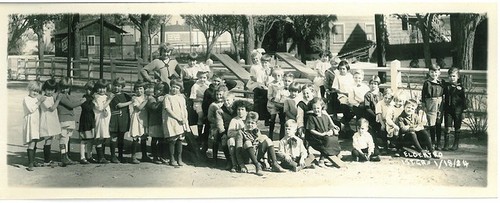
(92, 160)
(146, 159)
(375, 158)
(156, 160)
(84, 161)
(114, 160)
(243, 168)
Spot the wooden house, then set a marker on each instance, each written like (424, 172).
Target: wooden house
(90, 40)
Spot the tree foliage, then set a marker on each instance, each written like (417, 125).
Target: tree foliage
(212, 27)
(262, 25)
(308, 28)
(18, 24)
(235, 24)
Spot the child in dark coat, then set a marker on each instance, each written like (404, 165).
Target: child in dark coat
(454, 105)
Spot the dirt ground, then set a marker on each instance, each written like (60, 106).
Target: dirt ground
(391, 172)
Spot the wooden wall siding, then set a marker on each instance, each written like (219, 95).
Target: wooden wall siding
(354, 33)
(396, 33)
(93, 30)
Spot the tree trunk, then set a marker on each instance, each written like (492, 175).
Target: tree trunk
(235, 44)
(301, 50)
(427, 48)
(38, 29)
(463, 33)
(210, 46)
(41, 45)
(248, 37)
(258, 42)
(150, 48)
(76, 40)
(144, 37)
(380, 32)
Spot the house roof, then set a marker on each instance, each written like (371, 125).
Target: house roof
(90, 22)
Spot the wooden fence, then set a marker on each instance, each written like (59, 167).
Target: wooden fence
(399, 78)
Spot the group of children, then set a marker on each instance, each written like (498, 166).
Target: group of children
(392, 119)
(307, 114)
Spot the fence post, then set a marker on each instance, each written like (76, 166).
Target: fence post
(89, 67)
(395, 75)
(112, 72)
(25, 68)
(52, 69)
(71, 70)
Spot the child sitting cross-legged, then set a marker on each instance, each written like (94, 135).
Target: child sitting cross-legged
(291, 151)
(362, 142)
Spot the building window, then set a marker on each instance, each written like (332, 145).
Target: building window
(339, 32)
(91, 40)
(370, 32)
(112, 40)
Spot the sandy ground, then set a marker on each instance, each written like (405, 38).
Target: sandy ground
(390, 172)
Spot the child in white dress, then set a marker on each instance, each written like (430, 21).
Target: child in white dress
(31, 123)
(49, 120)
(175, 121)
(138, 121)
(102, 114)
